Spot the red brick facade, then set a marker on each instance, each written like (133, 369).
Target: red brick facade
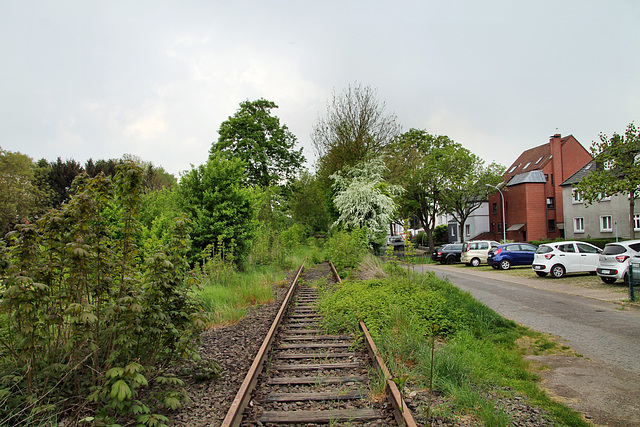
(532, 192)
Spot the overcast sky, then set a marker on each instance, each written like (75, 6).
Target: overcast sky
(98, 79)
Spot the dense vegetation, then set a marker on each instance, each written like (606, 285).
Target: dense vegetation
(435, 337)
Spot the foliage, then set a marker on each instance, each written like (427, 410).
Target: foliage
(440, 234)
(266, 147)
(90, 321)
(431, 334)
(617, 170)
(346, 249)
(420, 162)
(22, 195)
(355, 127)
(364, 199)
(220, 207)
(466, 187)
(309, 203)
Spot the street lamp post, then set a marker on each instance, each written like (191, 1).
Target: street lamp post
(504, 227)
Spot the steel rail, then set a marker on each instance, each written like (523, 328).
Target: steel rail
(401, 412)
(234, 415)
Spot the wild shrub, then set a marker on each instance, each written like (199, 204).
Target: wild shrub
(90, 319)
(346, 249)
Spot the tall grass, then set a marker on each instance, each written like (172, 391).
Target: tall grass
(228, 292)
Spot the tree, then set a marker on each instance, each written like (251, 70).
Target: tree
(220, 207)
(21, 195)
(61, 176)
(356, 127)
(364, 199)
(267, 147)
(308, 203)
(617, 170)
(420, 162)
(466, 187)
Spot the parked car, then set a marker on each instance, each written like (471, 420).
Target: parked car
(476, 252)
(560, 258)
(614, 260)
(447, 254)
(395, 241)
(504, 256)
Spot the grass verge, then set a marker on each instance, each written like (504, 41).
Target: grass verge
(477, 360)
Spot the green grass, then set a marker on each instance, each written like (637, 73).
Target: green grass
(227, 293)
(477, 359)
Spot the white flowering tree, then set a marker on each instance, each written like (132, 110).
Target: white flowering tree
(364, 199)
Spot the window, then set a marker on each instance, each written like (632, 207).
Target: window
(636, 222)
(551, 225)
(513, 168)
(500, 227)
(551, 179)
(576, 197)
(583, 248)
(467, 230)
(540, 159)
(526, 166)
(603, 198)
(495, 209)
(578, 225)
(606, 223)
(551, 203)
(567, 247)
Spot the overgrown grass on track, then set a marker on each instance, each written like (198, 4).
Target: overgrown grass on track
(477, 361)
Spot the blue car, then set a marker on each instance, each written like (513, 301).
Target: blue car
(504, 256)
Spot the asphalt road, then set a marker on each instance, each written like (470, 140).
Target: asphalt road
(593, 327)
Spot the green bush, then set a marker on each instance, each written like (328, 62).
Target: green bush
(90, 319)
(345, 249)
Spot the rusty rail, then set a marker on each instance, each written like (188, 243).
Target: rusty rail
(234, 415)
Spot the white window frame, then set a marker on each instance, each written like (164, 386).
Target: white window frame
(576, 197)
(603, 198)
(578, 225)
(467, 230)
(636, 222)
(603, 225)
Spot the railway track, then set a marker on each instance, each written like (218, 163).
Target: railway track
(302, 376)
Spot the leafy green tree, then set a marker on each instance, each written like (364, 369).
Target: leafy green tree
(420, 162)
(466, 189)
(61, 176)
(308, 203)
(364, 199)
(23, 195)
(356, 127)
(617, 170)
(266, 146)
(220, 206)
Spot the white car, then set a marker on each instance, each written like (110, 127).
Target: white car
(614, 261)
(560, 258)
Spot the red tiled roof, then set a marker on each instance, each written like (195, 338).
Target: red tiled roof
(532, 159)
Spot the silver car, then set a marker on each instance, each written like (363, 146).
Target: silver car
(614, 260)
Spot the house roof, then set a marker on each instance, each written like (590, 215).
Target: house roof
(535, 176)
(532, 159)
(581, 173)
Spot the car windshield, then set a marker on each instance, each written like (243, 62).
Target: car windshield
(614, 250)
(544, 249)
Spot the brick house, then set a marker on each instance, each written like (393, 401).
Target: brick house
(532, 192)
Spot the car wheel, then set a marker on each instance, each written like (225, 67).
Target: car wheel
(475, 262)
(541, 273)
(558, 271)
(608, 280)
(505, 264)
(451, 260)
